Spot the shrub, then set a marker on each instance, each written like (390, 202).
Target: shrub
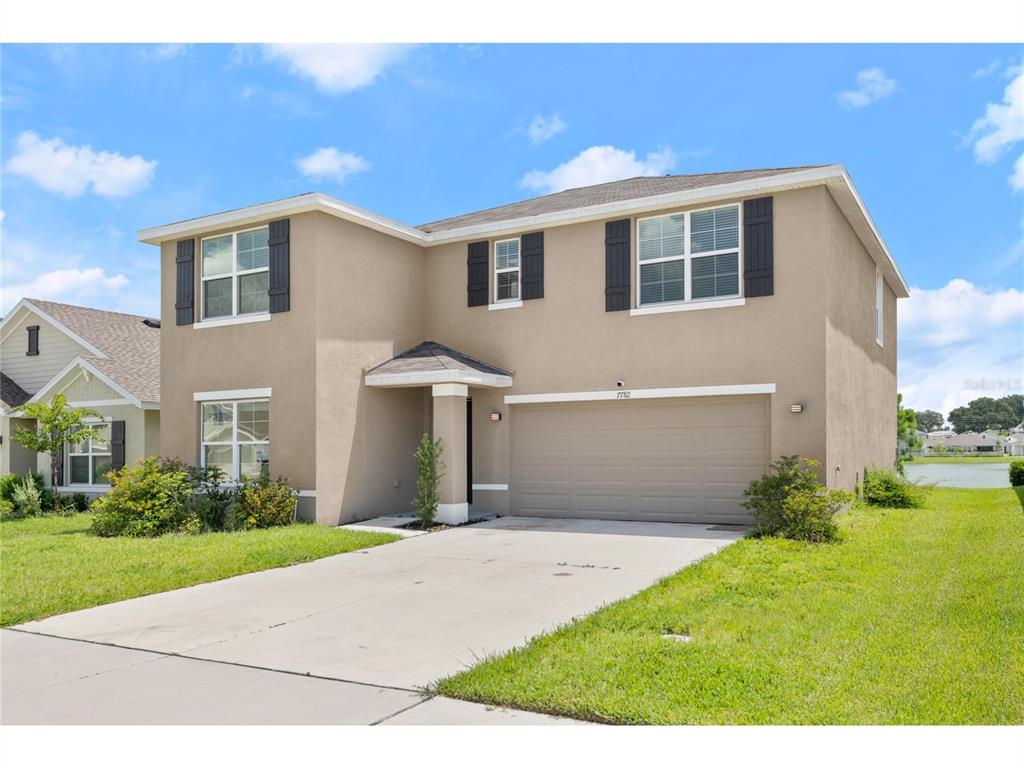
(142, 501)
(431, 470)
(1017, 472)
(887, 489)
(261, 503)
(810, 515)
(211, 501)
(789, 502)
(7, 483)
(7, 510)
(27, 498)
(79, 501)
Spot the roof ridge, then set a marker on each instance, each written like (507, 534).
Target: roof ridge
(89, 309)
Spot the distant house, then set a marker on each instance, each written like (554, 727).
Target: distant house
(974, 442)
(1015, 444)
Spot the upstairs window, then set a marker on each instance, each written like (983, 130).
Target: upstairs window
(690, 256)
(506, 270)
(89, 460)
(236, 437)
(879, 301)
(236, 274)
(33, 340)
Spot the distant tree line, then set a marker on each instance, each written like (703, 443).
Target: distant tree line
(1000, 414)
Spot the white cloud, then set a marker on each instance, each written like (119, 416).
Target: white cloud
(70, 170)
(960, 342)
(1002, 127)
(337, 68)
(599, 164)
(65, 285)
(331, 164)
(988, 69)
(872, 85)
(543, 128)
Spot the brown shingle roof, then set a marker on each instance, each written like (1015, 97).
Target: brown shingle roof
(132, 347)
(431, 357)
(11, 395)
(609, 192)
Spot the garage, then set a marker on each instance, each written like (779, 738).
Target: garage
(670, 460)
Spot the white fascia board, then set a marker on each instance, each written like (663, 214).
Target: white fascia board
(642, 394)
(7, 325)
(78, 362)
(427, 378)
(313, 201)
(231, 394)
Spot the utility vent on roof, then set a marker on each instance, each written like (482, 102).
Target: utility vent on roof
(151, 322)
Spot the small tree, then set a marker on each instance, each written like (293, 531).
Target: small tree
(431, 470)
(56, 423)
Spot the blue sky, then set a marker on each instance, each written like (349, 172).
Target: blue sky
(99, 141)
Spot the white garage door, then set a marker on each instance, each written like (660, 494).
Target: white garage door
(672, 460)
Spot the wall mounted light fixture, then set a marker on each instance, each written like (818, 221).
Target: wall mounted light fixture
(796, 408)
(495, 415)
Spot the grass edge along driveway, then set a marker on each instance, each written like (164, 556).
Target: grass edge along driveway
(916, 617)
(52, 565)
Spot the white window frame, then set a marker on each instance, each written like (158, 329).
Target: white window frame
(91, 422)
(879, 308)
(234, 442)
(688, 257)
(518, 269)
(234, 274)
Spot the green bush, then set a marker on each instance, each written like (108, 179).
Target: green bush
(7, 511)
(79, 501)
(789, 502)
(142, 501)
(431, 470)
(7, 483)
(887, 489)
(1017, 472)
(261, 503)
(27, 498)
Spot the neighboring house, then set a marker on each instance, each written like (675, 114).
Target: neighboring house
(1015, 445)
(107, 361)
(974, 442)
(639, 349)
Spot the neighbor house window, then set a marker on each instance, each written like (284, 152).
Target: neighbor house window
(236, 437)
(506, 270)
(236, 274)
(33, 340)
(89, 459)
(689, 256)
(879, 300)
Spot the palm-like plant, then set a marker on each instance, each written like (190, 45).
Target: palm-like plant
(56, 423)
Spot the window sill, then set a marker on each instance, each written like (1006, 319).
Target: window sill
(510, 304)
(83, 488)
(239, 320)
(658, 309)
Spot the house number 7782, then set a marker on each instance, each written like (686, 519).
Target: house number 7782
(622, 395)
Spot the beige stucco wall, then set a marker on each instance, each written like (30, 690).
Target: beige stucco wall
(278, 354)
(861, 376)
(567, 342)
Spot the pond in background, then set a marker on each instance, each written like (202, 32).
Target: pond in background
(960, 475)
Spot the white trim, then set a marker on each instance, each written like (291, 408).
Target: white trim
(217, 322)
(29, 306)
(508, 304)
(834, 177)
(449, 390)
(643, 394)
(879, 308)
(83, 488)
(257, 393)
(308, 494)
(490, 486)
(452, 514)
(426, 378)
(96, 403)
(85, 364)
(658, 309)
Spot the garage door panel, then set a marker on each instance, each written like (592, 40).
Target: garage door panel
(684, 460)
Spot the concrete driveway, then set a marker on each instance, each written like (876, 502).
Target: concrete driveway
(346, 639)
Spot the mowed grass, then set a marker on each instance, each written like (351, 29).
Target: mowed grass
(52, 565)
(997, 459)
(917, 616)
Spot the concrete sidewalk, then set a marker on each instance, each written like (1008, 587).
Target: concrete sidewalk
(374, 625)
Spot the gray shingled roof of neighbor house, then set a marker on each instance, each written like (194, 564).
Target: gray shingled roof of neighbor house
(132, 348)
(597, 194)
(431, 357)
(11, 395)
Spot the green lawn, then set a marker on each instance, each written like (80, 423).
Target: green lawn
(917, 616)
(52, 565)
(997, 459)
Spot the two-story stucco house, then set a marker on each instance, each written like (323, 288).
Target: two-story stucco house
(108, 361)
(639, 349)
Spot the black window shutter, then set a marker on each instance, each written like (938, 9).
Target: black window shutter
(116, 444)
(477, 282)
(60, 461)
(33, 340)
(532, 276)
(280, 258)
(758, 252)
(616, 265)
(186, 277)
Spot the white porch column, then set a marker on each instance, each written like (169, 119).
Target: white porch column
(450, 427)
